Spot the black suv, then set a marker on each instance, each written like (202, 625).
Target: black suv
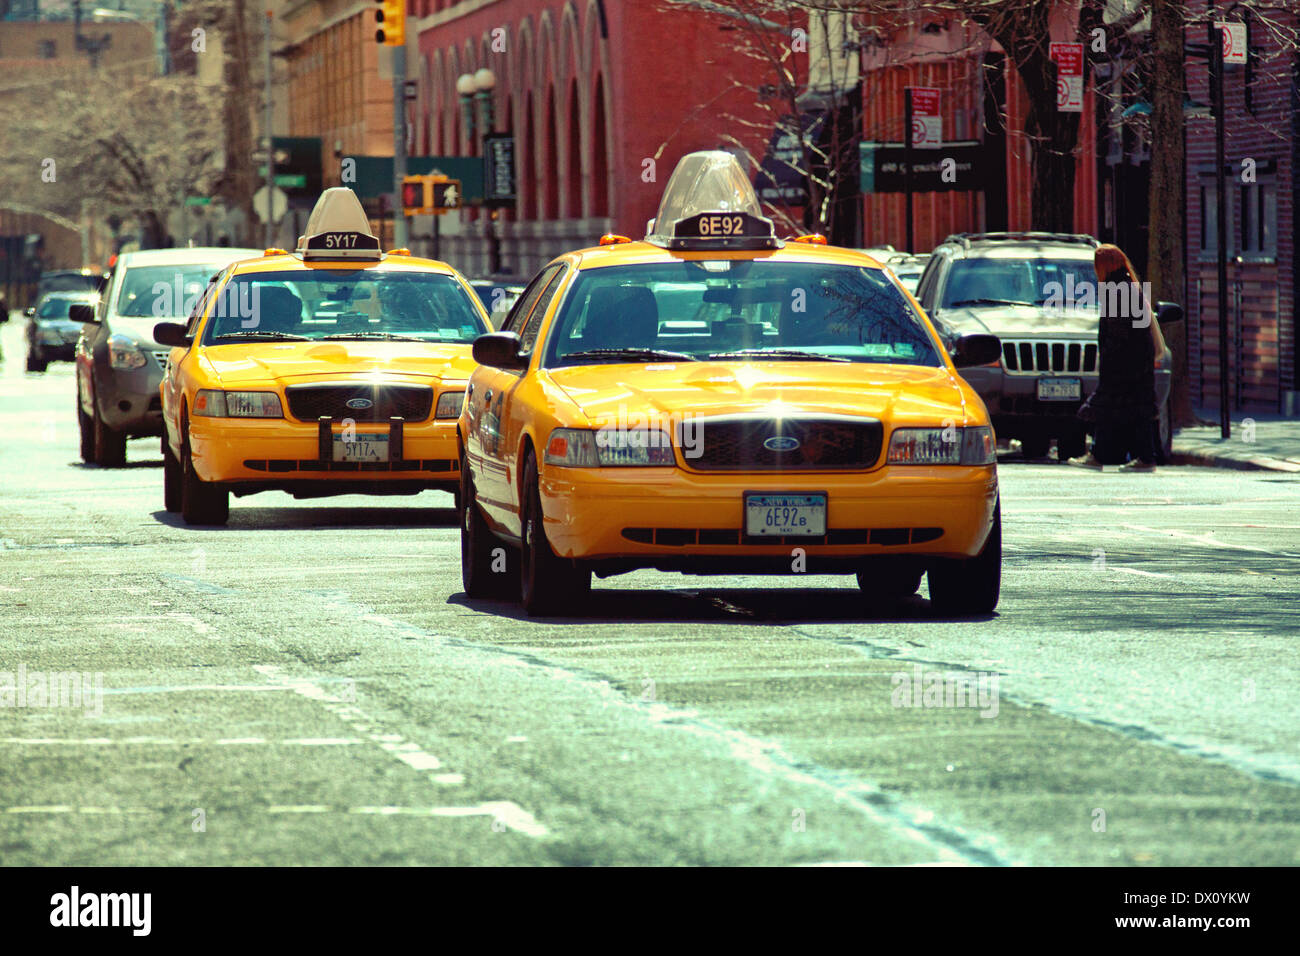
(1026, 288)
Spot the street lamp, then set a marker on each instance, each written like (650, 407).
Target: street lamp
(475, 91)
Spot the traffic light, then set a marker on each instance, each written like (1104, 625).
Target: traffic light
(391, 17)
(416, 198)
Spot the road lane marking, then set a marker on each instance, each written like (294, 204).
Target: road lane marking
(1208, 540)
(179, 742)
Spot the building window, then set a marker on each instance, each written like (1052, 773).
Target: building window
(1259, 219)
(47, 50)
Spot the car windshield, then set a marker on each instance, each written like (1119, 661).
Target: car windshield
(57, 306)
(68, 282)
(1029, 281)
(736, 310)
(345, 304)
(163, 291)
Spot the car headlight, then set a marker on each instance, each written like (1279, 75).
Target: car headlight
(608, 447)
(214, 403)
(124, 353)
(943, 446)
(449, 405)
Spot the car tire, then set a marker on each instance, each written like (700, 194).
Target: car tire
(548, 584)
(965, 587)
(109, 446)
(35, 364)
(1033, 447)
(171, 478)
(1165, 435)
(87, 432)
(892, 581)
(201, 502)
(478, 549)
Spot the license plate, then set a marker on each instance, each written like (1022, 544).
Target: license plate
(361, 448)
(1060, 389)
(785, 515)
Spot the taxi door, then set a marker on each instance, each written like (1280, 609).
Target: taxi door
(491, 456)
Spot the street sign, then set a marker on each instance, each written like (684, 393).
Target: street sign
(1234, 42)
(880, 168)
(927, 123)
(279, 205)
(499, 169)
(1068, 58)
(198, 200)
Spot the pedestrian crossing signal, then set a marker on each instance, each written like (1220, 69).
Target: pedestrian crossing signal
(391, 17)
(430, 195)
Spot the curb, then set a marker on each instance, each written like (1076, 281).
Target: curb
(1212, 460)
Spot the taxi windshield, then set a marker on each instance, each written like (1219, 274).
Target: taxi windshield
(738, 310)
(338, 304)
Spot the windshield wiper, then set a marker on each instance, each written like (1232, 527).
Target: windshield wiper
(648, 355)
(956, 305)
(386, 336)
(264, 334)
(793, 355)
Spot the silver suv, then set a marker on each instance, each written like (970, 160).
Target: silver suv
(1027, 288)
(119, 365)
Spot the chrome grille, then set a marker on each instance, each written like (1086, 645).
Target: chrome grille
(161, 358)
(738, 444)
(307, 403)
(1037, 356)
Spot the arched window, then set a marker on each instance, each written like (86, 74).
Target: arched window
(549, 185)
(599, 152)
(573, 181)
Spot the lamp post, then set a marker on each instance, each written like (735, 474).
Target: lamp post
(475, 91)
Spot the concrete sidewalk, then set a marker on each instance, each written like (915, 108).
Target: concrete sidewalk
(1258, 442)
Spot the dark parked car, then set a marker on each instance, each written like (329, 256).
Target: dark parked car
(51, 334)
(1028, 289)
(67, 280)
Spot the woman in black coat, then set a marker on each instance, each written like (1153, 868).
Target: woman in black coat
(1129, 341)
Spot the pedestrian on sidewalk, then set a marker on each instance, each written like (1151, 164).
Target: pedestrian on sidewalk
(1128, 339)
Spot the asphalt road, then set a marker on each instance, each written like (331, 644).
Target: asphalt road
(310, 686)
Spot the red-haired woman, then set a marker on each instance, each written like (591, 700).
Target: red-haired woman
(1129, 341)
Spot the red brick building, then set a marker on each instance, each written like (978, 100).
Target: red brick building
(603, 98)
(1262, 115)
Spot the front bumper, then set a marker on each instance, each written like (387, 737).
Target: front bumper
(604, 514)
(283, 453)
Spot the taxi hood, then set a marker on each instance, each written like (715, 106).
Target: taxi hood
(282, 363)
(891, 393)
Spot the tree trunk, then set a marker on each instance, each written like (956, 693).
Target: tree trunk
(237, 181)
(1167, 245)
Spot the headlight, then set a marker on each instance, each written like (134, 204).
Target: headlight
(214, 403)
(124, 353)
(449, 405)
(608, 447)
(943, 446)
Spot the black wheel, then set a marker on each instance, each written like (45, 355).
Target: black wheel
(201, 501)
(1072, 444)
(1034, 446)
(87, 431)
(970, 586)
(171, 478)
(548, 584)
(890, 580)
(110, 446)
(488, 566)
(35, 363)
(1164, 435)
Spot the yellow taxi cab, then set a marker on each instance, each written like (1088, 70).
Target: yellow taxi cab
(715, 400)
(333, 370)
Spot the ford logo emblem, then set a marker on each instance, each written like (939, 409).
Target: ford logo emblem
(359, 403)
(781, 443)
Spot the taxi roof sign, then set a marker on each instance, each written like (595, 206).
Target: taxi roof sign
(338, 228)
(709, 203)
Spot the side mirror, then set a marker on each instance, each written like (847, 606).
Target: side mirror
(1168, 312)
(83, 313)
(499, 350)
(171, 333)
(29, 311)
(976, 348)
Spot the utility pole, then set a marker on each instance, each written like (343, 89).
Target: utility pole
(400, 233)
(270, 146)
(1221, 213)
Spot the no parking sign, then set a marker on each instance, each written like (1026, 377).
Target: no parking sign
(1068, 58)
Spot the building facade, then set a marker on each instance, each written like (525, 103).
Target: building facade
(1262, 125)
